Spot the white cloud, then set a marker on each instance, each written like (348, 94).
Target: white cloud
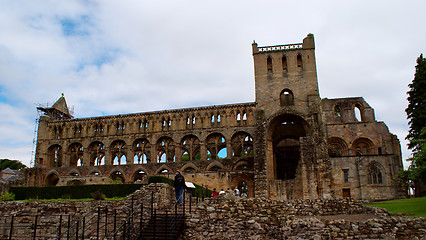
(186, 53)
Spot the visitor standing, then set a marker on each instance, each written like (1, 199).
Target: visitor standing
(214, 193)
(237, 192)
(179, 186)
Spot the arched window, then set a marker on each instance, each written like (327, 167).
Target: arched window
(299, 62)
(284, 63)
(362, 146)
(358, 112)
(286, 98)
(337, 147)
(269, 64)
(337, 111)
(374, 175)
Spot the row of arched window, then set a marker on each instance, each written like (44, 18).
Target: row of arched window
(140, 174)
(142, 151)
(357, 111)
(98, 128)
(284, 63)
(337, 147)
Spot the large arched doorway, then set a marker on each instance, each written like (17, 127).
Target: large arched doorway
(285, 132)
(284, 157)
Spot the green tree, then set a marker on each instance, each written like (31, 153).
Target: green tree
(12, 164)
(416, 112)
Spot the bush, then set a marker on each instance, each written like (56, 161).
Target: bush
(98, 195)
(74, 192)
(7, 197)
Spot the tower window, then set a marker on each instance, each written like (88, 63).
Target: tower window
(286, 98)
(284, 63)
(299, 61)
(269, 64)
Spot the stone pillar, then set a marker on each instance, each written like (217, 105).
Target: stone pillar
(203, 151)
(228, 148)
(153, 153)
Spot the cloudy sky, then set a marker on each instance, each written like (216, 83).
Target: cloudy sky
(111, 57)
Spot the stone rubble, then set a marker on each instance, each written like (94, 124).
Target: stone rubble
(230, 217)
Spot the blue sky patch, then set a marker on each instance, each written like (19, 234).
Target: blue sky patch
(76, 26)
(2, 97)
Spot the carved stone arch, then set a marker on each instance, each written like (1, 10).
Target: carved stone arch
(337, 147)
(284, 135)
(95, 172)
(187, 166)
(55, 156)
(216, 145)
(244, 183)
(117, 173)
(242, 165)
(215, 164)
(190, 145)
(52, 178)
(165, 149)
(362, 146)
(242, 144)
(375, 173)
(118, 150)
(74, 172)
(140, 175)
(141, 148)
(160, 170)
(75, 154)
(97, 152)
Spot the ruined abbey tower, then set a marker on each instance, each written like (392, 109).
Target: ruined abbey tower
(288, 144)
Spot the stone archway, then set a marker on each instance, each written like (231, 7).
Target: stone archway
(285, 162)
(51, 180)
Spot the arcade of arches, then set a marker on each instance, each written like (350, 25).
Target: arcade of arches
(288, 144)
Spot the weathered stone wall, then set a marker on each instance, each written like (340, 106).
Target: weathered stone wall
(229, 217)
(289, 144)
(49, 213)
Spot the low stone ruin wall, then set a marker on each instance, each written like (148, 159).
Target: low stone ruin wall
(49, 213)
(229, 217)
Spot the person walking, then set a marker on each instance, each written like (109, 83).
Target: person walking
(179, 186)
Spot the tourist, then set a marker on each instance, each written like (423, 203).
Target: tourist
(179, 186)
(214, 193)
(237, 192)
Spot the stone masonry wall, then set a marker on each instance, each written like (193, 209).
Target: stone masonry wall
(229, 217)
(49, 212)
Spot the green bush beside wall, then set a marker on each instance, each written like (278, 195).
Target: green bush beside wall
(73, 192)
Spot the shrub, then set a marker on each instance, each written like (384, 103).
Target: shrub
(98, 195)
(74, 192)
(7, 197)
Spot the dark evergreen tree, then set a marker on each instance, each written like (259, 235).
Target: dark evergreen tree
(416, 110)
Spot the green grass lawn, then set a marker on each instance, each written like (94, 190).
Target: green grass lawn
(416, 207)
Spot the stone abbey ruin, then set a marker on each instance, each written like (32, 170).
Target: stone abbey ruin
(288, 144)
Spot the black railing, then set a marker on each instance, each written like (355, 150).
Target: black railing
(127, 222)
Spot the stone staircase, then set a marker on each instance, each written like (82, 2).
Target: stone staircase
(164, 226)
